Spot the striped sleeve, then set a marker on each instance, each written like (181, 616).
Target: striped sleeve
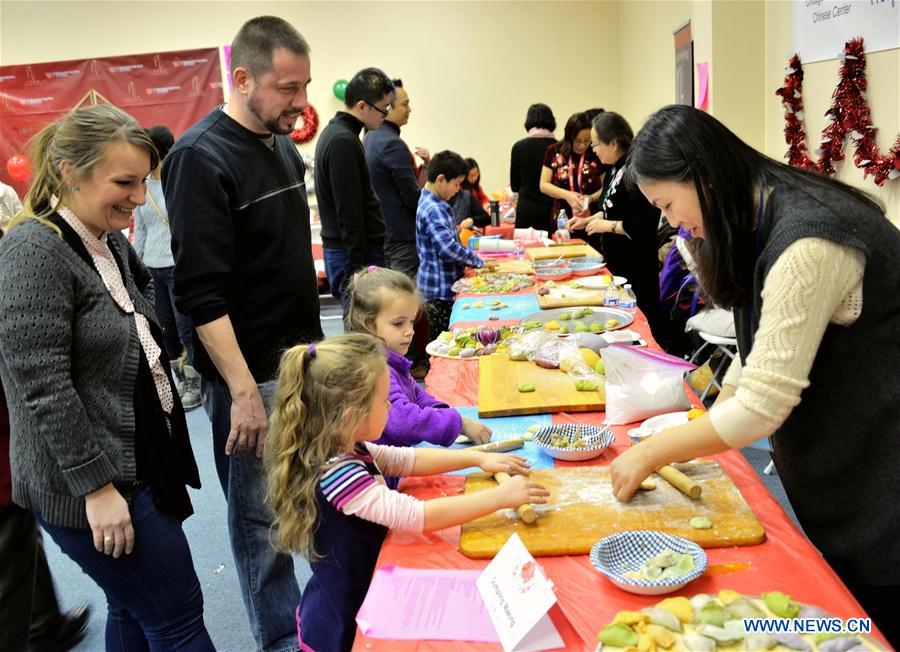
(344, 481)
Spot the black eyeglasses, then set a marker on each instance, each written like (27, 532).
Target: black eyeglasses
(383, 111)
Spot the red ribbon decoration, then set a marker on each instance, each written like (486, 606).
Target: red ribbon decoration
(310, 126)
(848, 116)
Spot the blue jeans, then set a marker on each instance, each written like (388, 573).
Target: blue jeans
(337, 269)
(266, 576)
(153, 595)
(175, 326)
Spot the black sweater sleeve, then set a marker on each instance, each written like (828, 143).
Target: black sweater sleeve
(639, 217)
(197, 192)
(476, 211)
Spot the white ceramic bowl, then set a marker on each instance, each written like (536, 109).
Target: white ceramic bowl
(662, 422)
(550, 262)
(625, 552)
(600, 282)
(597, 438)
(557, 273)
(586, 266)
(637, 435)
(587, 270)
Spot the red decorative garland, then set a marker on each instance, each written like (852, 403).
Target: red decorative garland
(849, 115)
(310, 126)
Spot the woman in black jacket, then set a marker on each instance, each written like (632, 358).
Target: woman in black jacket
(626, 220)
(534, 208)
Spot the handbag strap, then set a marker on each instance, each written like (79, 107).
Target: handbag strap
(158, 211)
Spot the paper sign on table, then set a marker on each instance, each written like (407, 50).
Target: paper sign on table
(408, 603)
(518, 598)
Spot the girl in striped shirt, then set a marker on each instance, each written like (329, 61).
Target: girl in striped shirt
(325, 480)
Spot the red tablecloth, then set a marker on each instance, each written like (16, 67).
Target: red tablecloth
(787, 561)
(505, 231)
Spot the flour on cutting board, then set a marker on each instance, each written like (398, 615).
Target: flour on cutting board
(582, 509)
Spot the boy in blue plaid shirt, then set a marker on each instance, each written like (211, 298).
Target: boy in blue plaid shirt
(442, 258)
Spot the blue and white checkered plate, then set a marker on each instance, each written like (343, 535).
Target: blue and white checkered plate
(597, 440)
(625, 552)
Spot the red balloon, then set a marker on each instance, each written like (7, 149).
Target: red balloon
(19, 167)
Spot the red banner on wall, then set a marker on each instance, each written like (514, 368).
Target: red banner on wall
(175, 89)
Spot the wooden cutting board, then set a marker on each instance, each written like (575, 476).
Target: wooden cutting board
(499, 396)
(582, 510)
(517, 266)
(563, 295)
(565, 251)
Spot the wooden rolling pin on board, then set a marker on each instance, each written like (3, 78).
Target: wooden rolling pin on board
(499, 446)
(525, 512)
(680, 481)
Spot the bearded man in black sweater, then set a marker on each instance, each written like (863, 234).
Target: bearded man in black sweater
(235, 190)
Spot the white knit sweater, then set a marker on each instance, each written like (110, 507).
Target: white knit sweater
(814, 283)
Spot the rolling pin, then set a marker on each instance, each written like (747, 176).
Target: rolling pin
(499, 446)
(525, 512)
(680, 481)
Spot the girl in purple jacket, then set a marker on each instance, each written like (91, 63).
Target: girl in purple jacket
(384, 303)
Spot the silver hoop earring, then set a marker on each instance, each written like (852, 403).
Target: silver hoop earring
(74, 187)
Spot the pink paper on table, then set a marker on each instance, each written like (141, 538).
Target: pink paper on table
(411, 603)
(703, 85)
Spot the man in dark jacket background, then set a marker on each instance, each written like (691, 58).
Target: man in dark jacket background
(396, 181)
(396, 184)
(352, 223)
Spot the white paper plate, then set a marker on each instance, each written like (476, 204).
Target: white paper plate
(663, 421)
(598, 282)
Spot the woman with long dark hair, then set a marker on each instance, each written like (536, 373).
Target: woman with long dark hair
(572, 175)
(533, 208)
(472, 182)
(809, 266)
(626, 222)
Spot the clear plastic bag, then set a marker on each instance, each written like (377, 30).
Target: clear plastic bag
(641, 383)
(524, 346)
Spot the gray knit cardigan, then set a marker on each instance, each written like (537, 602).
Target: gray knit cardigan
(69, 364)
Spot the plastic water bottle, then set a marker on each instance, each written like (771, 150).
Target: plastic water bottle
(611, 296)
(627, 299)
(562, 234)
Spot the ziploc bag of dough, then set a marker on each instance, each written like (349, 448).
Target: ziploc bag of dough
(641, 384)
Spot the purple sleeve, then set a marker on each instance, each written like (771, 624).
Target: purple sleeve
(424, 399)
(417, 418)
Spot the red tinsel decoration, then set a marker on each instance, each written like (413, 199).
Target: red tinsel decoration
(310, 126)
(792, 99)
(849, 115)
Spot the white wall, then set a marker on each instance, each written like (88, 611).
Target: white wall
(471, 68)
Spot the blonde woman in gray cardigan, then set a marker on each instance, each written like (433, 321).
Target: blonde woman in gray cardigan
(99, 446)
